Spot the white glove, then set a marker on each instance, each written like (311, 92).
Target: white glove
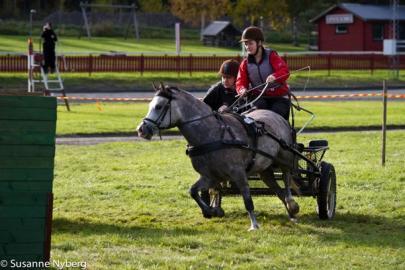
(223, 109)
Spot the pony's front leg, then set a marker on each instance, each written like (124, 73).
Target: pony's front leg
(201, 184)
(247, 199)
(292, 206)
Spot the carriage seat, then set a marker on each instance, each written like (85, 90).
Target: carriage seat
(318, 143)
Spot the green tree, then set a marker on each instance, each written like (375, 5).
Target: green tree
(295, 8)
(9, 8)
(249, 10)
(197, 11)
(277, 15)
(152, 6)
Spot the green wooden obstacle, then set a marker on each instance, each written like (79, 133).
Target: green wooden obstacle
(27, 150)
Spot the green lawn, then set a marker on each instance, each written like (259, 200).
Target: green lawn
(133, 81)
(198, 80)
(124, 117)
(126, 206)
(107, 44)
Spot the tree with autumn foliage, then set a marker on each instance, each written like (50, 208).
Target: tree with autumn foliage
(198, 11)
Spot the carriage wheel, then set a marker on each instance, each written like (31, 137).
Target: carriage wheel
(326, 197)
(213, 198)
(216, 200)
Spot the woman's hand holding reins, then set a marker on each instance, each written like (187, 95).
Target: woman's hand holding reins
(270, 79)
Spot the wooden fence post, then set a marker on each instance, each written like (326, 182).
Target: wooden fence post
(142, 64)
(90, 65)
(178, 65)
(215, 61)
(190, 64)
(329, 63)
(372, 64)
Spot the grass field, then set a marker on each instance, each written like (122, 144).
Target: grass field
(124, 117)
(134, 81)
(107, 44)
(198, 80)
(126, 206)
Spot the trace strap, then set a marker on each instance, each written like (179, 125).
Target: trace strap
(193, 151)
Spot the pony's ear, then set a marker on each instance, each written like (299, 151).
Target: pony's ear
(154, 87)
(162, 86)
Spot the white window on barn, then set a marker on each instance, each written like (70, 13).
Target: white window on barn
(341, 28)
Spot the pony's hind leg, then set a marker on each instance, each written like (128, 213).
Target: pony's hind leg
(202, 184)
(268, 178)
(291, 205)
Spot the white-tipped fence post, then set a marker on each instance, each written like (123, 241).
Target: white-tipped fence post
(384, 123)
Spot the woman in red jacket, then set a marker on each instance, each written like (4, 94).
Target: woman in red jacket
(263, 65)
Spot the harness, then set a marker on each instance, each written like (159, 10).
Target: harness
(167, 108)
(254, 129)
(193, 151)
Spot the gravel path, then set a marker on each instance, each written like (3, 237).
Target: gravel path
(92, 140)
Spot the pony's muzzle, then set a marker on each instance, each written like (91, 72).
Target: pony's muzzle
(145, 131)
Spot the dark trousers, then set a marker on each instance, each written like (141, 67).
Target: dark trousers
(278, 105)
(49, 58)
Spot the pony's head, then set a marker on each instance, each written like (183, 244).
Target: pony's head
(163, 112)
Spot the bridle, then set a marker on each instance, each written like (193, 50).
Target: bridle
(168, 108)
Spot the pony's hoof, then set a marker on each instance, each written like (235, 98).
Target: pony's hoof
(253, 228)
(292, 207)
(218, 212)
(207, 214)
(294, 220)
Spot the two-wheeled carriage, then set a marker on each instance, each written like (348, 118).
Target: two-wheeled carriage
(312, 176)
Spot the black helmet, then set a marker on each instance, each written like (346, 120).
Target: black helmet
(252, 33)
(229, 67)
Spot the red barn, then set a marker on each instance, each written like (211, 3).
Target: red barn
(357, 27)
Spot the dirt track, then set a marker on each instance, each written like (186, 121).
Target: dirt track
(106, 139)
(96, 139)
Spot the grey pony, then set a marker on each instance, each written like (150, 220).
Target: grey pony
(172, 107)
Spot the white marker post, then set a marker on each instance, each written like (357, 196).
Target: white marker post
(384, 124)
(30, 62)
(178, 44)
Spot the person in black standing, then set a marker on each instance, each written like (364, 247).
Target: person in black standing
(49, 38)
(222, 94)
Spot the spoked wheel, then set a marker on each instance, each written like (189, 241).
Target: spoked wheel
(213, 198)
(326, 197)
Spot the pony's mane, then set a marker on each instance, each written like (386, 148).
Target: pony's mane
(168, 91)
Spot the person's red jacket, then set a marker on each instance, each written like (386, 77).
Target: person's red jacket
(280, 72)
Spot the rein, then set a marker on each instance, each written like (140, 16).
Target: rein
(198, 150)
(196, 119)
(266, 85)
(167, 108)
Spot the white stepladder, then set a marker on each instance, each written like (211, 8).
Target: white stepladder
(34, 65)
